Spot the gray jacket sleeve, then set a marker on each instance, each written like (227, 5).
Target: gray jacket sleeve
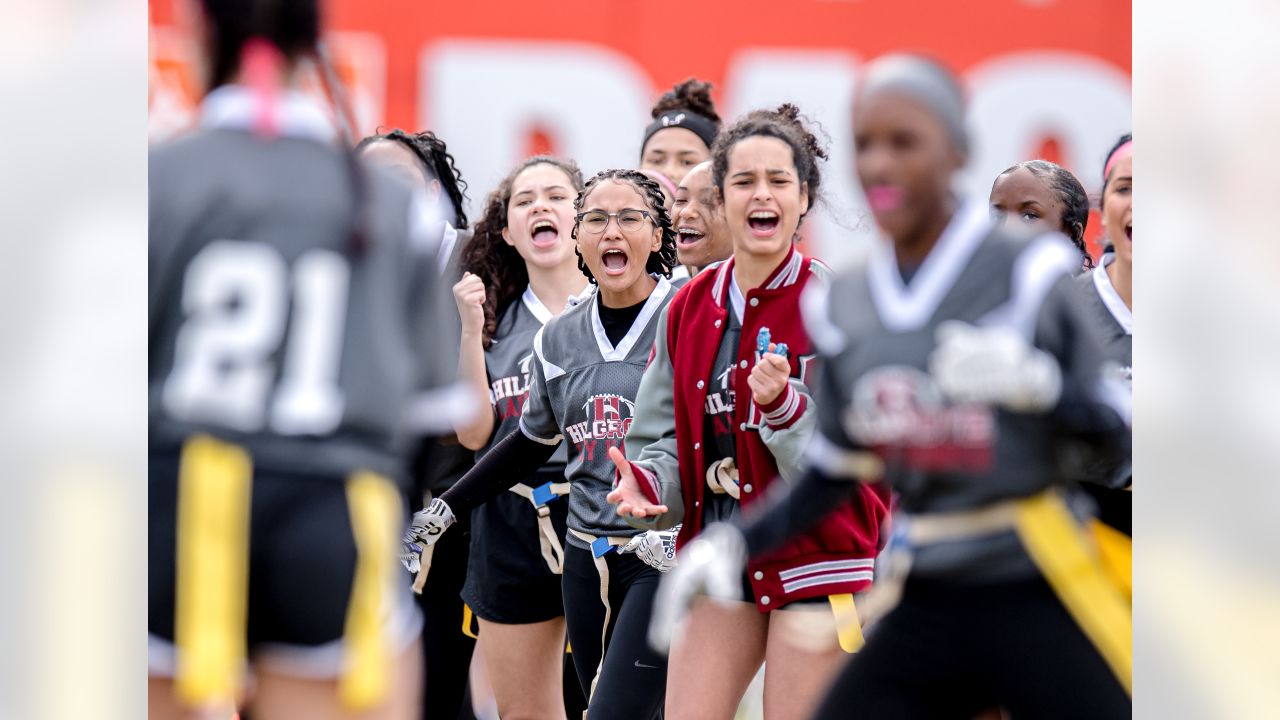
(788, 442)
(651, 441)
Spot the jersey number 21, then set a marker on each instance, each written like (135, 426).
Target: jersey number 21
(239, 298)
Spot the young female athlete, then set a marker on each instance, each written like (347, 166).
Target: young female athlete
(520, 271)
(586, 367)
(957, 359)
(702, 236)
(1043, 195)
(292, 327)
(722, 412)
(683, 130)
(1108, 293)
(423, 160)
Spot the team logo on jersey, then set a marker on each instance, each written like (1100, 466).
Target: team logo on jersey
(902, 413)
(608, 420)
(721, 401)
(507, 394)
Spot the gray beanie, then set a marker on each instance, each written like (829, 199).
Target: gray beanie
(925, 81)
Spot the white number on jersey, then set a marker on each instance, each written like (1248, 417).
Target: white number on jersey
(237, 297)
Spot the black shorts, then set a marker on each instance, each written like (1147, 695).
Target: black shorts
(508, 580)
(1115, 506)
(949, 651)
(296, 594)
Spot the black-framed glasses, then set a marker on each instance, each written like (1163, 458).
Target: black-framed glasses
(629, 219)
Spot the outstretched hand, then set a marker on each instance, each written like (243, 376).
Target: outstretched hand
(631, 501)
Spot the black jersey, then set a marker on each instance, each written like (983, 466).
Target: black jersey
(509, 364)
(583, 392)
(876, 334)
(269, 326)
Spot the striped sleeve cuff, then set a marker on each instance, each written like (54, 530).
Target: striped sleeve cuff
(647, 481)
(785, 409)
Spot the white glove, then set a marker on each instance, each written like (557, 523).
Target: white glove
(410, 554)
(428, 525)
(712, 565)
(657, 548)
(994, 365)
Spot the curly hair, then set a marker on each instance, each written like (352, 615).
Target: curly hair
(488, 256)
(786, 124)
(663, 259)
(1069, 191)
(691, 94)
(436, 162)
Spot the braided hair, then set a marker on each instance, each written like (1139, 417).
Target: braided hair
(436, 162)
(784, 123)
(662, 260)
(1069, 191)
(488, 256)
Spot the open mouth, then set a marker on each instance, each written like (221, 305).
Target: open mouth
(688, 235)
(544, 234)
(1128, 232)
(615, 262)
(763, 223)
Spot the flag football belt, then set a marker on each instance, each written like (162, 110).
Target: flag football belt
(601, 546)
(722, 478)
(1061, 549)
(552, 550)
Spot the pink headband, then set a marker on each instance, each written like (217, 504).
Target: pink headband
(662, 180)
(1121, 152)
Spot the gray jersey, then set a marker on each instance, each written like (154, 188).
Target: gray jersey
(268, 327)
(876, 333)
(583, 391)
(509, 364)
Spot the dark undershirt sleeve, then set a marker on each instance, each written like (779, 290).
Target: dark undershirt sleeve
(795, 510)
(511, 460)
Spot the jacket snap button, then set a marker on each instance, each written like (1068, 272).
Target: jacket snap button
(717, 323)
(697, 445)
(701, 384)
(764, 600)
(743, 364)
(759, 575)
(755, 302)
(746, 488)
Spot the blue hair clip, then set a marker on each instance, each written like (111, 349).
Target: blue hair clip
(781, 349)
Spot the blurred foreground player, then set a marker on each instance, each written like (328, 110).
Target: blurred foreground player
(292, 324)
(956, 361)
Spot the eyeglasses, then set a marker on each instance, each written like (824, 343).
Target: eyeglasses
(629, 219)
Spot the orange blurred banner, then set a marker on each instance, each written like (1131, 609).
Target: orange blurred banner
(499, 80)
